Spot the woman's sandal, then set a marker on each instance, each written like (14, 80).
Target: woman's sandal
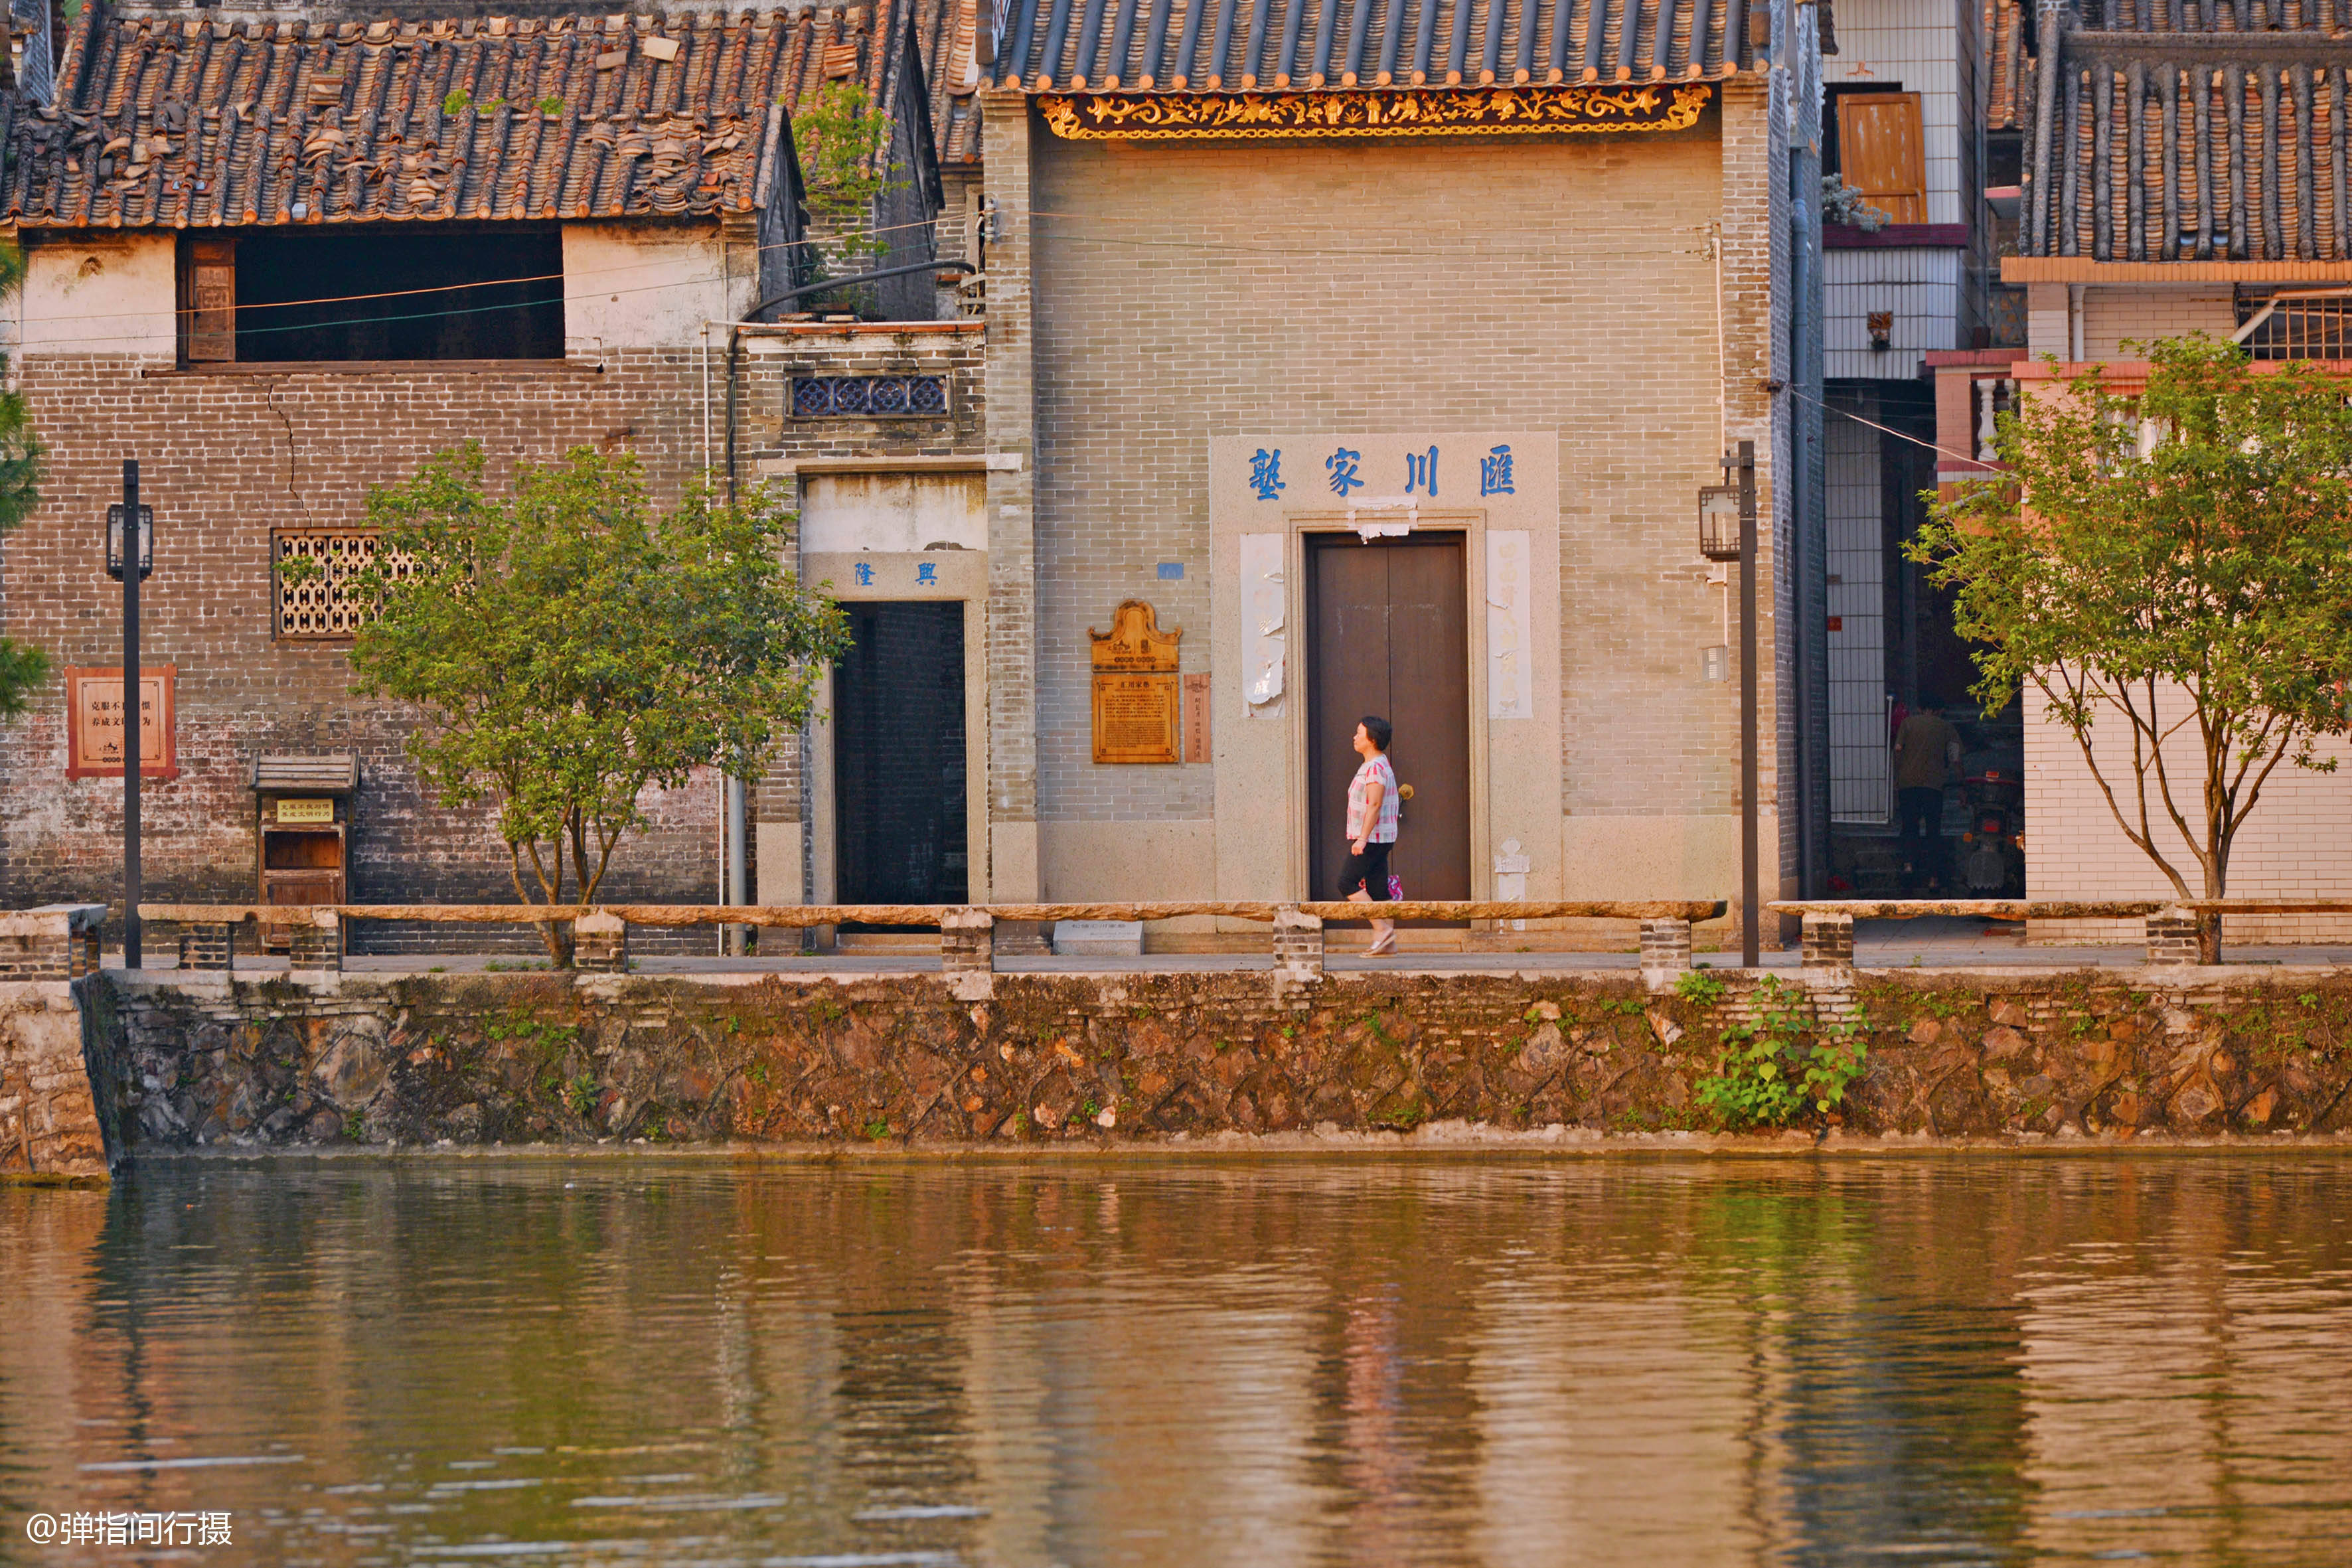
(1385, 945)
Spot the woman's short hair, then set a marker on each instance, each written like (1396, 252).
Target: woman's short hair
(1379, 729)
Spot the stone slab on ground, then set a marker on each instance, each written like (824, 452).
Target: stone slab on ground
(1098, 938)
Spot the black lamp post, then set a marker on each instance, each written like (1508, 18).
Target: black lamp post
(1726, 532)
(143, 547)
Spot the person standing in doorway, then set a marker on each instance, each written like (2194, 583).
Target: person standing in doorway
(1926, 750)
(1371, 827)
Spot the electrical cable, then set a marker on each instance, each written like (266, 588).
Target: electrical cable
(1874, 425)
(493, 282)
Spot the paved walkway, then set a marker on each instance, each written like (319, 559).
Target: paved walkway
(1939, 942)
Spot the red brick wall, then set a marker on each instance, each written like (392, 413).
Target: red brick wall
(223, 459)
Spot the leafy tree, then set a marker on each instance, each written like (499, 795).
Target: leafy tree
(843, 136)
(2172, 570)
(22, 668)
(570, 649)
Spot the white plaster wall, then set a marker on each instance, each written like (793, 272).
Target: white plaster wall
(907, 512)
(1915, 43)
(110, 294)
(2297, 845)
(1921, 286)
(638, 286)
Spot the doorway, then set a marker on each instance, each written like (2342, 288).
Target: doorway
(898, 755)
(1388, 633)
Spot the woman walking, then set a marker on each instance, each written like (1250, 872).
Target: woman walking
(1371, 829)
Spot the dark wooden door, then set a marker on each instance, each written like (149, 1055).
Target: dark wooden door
(1388, 633)
(899, 756)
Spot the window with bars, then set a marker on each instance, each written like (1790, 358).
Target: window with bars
(323, 605)
(869, 396)
(2288, 328)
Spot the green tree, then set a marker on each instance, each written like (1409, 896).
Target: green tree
(569, 650)
(22, 668)
(842, 137)
(2173, 569)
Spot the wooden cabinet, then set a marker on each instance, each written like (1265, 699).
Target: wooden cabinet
(302, 833)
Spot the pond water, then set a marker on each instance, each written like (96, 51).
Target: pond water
(1922, 1359)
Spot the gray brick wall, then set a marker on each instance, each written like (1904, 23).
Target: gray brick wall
(1191, 290)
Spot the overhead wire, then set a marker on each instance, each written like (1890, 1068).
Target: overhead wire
(866, 232)
(1888, 429)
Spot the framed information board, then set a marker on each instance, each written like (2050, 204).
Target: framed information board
(1138, 706)
(94, 724)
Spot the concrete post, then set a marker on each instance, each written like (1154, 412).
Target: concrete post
(208, 947)
(56, 941)
(1298, 946)
(966, 942)
(1829, 942)
(968, 953)
(2172, 937)
(1665, 949)
(600, 943)
(316, 942)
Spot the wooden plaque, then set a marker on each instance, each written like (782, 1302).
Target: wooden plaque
(1135, 641)
(1136, 719)
(94, 724)
(1196, 717)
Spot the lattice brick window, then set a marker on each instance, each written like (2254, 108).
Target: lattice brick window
(869, 396)
(325, 604)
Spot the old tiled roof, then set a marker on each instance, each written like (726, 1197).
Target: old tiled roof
(945, 28)
(2184, 129)
(181, 120)
(1212, 44)
(2007, 62)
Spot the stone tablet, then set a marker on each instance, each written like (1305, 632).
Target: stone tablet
(1098, 938)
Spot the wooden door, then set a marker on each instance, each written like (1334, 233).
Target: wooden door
(898, 755)
(1882, 152)
(1388, 633)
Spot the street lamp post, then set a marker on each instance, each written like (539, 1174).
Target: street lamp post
(1751, 909)
(129, 557)
(1726, 532)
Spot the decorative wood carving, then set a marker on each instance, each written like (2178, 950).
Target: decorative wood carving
(1135, 641)
(1436, 111)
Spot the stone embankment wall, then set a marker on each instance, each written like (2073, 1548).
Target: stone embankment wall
(361, 1059)
(49, 1117)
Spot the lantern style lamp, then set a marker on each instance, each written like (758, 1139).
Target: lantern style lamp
(114, 542)
(1719, 521)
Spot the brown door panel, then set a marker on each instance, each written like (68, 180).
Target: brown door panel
(1388, 634)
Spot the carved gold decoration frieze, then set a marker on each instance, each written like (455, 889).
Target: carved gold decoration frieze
(1446, 111)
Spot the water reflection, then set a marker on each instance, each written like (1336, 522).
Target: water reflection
(1497, 1361)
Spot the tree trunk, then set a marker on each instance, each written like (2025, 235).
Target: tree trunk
(2209, 923)
(2208, 937)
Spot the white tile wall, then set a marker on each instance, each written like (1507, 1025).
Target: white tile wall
(1915, 43)
(1858, 648)
(2298, 843)
(2113, 316)
(1922, 286)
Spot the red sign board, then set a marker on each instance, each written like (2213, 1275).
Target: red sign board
(94, 722)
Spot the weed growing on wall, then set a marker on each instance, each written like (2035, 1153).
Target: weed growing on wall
(22, 666)
(1773, 1070)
